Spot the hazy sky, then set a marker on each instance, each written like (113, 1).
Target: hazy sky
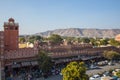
(41, 15)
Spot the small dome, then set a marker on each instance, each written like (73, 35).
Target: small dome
(11, 20)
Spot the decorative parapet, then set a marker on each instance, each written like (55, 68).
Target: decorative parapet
(21, 53)
(11, 24)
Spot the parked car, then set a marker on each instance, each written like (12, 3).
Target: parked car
(106, 73)
(110, 63)
(94, 67)
(102, 63)
(95, 77)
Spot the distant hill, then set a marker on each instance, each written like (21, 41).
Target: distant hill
(76, 32)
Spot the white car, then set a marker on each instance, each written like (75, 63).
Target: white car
(93, 67)
(95, 77)
(110, 63)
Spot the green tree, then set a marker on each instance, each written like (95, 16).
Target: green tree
(70, 39)
(79, 40)
(35, 38)
(21, 39)
(74, 71)
(118, 74)
(111, 55)
(55, 38)
(103, 42)
(31, 39)
(85, 40)
(113, 42)
(44, 61)
(38, 38)
(93, 42)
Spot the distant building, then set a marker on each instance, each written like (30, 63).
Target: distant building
(26, 45)
(117, 37)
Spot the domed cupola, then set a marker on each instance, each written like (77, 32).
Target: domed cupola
(11, 20)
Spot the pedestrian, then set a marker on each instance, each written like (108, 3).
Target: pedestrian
(29, 77)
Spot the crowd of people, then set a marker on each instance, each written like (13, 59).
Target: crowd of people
(24, 73)
(30, 73)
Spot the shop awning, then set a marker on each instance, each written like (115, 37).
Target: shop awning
(16, 65)
(26, 63)
(34, 63)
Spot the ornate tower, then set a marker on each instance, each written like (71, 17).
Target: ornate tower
(11, 32)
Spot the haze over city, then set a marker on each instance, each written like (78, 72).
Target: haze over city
(41, 15)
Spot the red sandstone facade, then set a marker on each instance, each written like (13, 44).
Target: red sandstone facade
(9, 51)
(13, 57)
(9, 45)
(11, 32)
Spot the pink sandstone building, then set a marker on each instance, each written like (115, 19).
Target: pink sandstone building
(11, 56)
(10, 53)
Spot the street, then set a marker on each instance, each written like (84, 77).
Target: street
(89, 72)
